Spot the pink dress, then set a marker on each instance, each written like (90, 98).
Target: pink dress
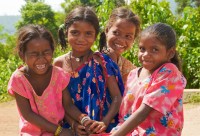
(48, 105)
(163, 92)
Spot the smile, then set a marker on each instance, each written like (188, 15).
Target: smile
(119, 46)
(40, 66)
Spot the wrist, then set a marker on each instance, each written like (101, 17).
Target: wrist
(83, 118)
(58, 130)
(106, 122)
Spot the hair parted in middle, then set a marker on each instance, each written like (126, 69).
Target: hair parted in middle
(119, 13)
(80, 13)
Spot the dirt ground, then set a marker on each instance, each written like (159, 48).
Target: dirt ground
(9, 119)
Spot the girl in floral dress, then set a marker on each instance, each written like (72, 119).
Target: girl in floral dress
(95, 85)
(152, 103)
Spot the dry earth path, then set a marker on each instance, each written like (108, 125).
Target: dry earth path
(9, 119)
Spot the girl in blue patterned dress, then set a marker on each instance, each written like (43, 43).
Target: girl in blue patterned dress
(96, 85)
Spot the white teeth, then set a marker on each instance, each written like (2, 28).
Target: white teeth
(120, 46)
(40, 66)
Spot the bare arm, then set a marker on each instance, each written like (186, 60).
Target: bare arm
(32, 117)
(134, 120)
(70, 108)
(116, 100)
(73, 114)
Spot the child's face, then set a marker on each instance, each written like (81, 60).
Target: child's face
(120, 36)
(81, 36)
(38, 56)
(152, 53)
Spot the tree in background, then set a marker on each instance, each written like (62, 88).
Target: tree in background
(189, 45)
(8, 61)
(181, 4)
(34, 1)
(68, 5)
(38, 12)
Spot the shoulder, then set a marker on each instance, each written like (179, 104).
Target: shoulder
(59, 61)
(60, 71)
(169, 71)
(16, 82)
(17, 74)
(126, 66)
(168, 68)
(101, 57)
(60, 75)
(127, 62)
(134, 72)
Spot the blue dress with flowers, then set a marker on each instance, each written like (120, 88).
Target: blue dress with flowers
(88, 89)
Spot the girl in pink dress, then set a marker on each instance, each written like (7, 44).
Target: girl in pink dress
(152, 103)
(40, 88)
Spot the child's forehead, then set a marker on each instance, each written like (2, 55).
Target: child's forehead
(149, 37)
(80, 23)
(122, 21)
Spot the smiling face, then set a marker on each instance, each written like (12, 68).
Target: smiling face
(120, 36)
(81, 36)
(152, 53)
(38, 56)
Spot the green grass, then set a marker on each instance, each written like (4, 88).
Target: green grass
(192, 98)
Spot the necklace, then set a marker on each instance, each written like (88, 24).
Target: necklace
(78, 59)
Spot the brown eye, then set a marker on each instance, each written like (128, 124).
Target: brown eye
(89, 34)
(116, 33)
(74, 32)
(129, 37)
(142, 49)
(154, 50)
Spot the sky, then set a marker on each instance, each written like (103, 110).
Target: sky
(9, 7)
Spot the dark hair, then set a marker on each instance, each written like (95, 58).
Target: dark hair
(119, 13)
(167, 36)
(78, 14)
(30, 32)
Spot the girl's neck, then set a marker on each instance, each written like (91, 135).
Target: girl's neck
(75, 62)
(76, 54)
(38, 82)
(80, 56)
(114, 56)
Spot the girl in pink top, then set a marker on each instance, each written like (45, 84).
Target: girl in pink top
(152, 103)
(40, 88)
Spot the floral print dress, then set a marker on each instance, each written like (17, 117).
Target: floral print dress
(163, 92)
(89, 90)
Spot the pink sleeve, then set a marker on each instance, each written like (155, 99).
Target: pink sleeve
(167, 86)
(17, 85)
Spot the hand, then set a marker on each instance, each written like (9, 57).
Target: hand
(97, 127)
(80, 130)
